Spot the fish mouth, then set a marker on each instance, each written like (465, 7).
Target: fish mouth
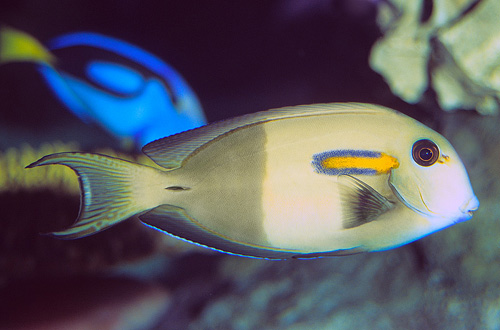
(468, 208)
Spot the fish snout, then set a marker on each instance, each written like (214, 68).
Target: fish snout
(470, 206)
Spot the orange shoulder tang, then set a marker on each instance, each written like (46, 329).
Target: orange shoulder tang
(353, 162)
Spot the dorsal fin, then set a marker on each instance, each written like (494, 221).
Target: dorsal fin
(171, 151)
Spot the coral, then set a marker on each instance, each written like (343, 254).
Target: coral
(453, 50)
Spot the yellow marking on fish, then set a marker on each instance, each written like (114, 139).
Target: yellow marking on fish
(443, 159)
(383, 164)
(361, 162)
(20, 46)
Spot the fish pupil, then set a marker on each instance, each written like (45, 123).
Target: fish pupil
(425, 154)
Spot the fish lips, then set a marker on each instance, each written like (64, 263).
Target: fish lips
(468, 208)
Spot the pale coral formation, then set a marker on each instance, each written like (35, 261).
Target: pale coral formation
(453, 48)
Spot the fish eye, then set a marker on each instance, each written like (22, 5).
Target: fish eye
(425, 152)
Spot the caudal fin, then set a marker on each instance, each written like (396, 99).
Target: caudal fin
(111, 190)
(18, 46)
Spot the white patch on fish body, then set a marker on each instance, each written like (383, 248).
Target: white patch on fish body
(302, 209)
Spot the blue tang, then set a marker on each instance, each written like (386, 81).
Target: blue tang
(296, 182)
(128, 91)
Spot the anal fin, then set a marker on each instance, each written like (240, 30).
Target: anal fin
(336, 253)
(176, 222)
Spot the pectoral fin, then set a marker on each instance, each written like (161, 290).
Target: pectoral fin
(360, 202)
